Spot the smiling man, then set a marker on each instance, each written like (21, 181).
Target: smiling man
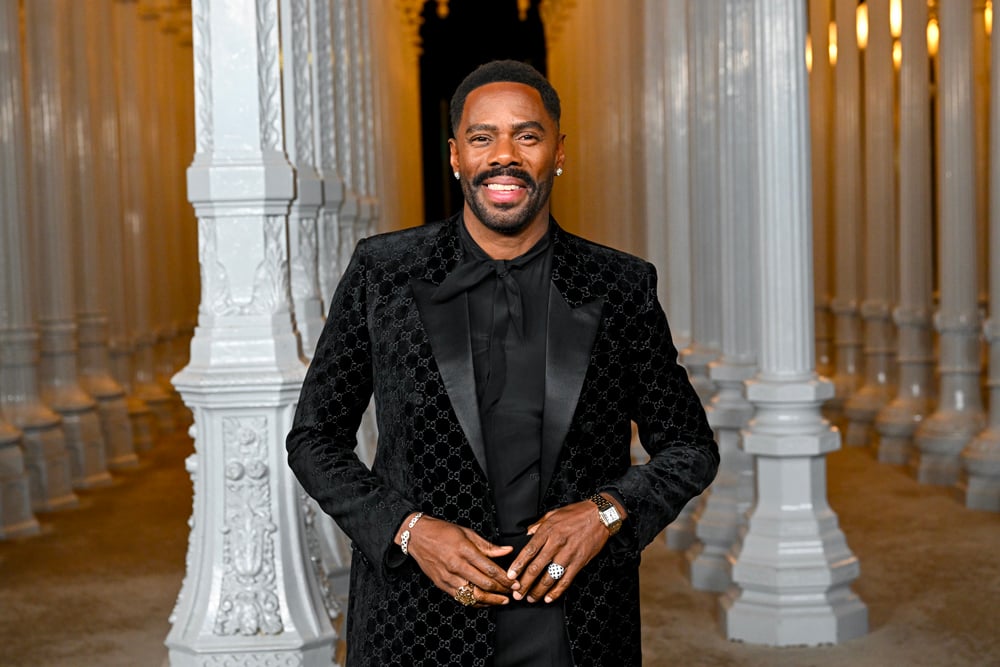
(502, 521)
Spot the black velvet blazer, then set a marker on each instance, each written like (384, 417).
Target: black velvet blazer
(609, 361)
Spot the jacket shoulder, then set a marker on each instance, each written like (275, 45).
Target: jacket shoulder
(403, 240)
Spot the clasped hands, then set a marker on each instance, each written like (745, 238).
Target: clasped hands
(453, 556)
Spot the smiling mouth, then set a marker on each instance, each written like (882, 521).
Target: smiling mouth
(502, 187)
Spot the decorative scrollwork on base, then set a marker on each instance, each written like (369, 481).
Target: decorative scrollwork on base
(249, 602)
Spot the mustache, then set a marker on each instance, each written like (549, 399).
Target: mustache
(512, 172)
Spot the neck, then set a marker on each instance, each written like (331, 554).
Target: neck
(506, 246)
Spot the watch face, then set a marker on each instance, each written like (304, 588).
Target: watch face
(610, 515)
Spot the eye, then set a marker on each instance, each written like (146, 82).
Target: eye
(479, 139)
(528, 138)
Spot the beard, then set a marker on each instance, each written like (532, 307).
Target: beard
(508, 219)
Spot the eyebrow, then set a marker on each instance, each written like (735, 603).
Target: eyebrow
(518, 127)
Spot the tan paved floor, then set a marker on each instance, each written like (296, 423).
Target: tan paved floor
(97, 587)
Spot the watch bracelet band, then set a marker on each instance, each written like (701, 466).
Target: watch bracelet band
(603, 504)
(404, 539)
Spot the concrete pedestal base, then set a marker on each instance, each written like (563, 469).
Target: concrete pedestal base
(896, 425)
(681, 533)
(85, 443)
(824, 619)
(941, 439)
(16, 519)
(142, 422)
(982, 471)
(50, 480)
(860, 412)
(117, 429)
(696, 360)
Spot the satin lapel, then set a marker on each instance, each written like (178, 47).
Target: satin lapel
(570, 338)
(447, 326)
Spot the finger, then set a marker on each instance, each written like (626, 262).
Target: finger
(546, 582)
(561, 585)
(533, 528)
(527, 554)
(535, 570)
(485, 599)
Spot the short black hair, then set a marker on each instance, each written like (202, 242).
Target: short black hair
(497, 71)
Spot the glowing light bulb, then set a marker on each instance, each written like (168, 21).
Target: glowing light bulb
(833, 44)
(862, 20)
(896, 18)
(933, 37)
(809, 53)
(897, 53)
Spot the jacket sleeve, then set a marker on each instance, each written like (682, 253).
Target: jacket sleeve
(321, 443)
(673, 430)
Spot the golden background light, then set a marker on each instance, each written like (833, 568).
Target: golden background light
(933, 36)
(897, 53)
(809, 53)
(833, 44)
(896, 17)
(988, 17)
(862, 19)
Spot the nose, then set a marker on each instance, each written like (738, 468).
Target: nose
(504, 152)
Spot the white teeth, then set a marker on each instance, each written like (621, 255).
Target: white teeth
(499, 186)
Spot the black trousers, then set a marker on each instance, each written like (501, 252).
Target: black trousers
(530, 634)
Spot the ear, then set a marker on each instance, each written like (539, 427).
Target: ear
(560, 151)
(453, 154)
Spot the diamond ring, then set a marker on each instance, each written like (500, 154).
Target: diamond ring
(556, 571)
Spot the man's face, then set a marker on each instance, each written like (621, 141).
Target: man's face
(506, 152)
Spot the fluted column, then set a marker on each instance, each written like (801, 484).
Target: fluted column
(154, 101)
(794, 570)
(897, 422)
(16, 518)
(677, 188)
(46, 457)
(151, 395)
(981, 458)
(704, 21)
(959, 415)
(655, 122)
(331, 548)
(177, 154)
(300, 146)
(347, 149)
(329, 126)
(731, 494)
(848, 199)
(94, 167)
(361, 115)
(820, 108)
(880, 233)
(54, 215)
(188, 232)
(252, 594)
(101, 58)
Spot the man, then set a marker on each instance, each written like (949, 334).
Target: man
(501, 523)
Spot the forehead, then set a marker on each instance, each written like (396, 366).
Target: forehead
(504, 103)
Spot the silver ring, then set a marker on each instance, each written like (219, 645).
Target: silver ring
(556, 571)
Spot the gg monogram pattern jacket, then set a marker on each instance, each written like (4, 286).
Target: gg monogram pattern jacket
(609, 361)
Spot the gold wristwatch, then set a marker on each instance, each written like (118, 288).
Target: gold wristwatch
(607, 512)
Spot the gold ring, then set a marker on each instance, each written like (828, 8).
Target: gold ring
(465, 595)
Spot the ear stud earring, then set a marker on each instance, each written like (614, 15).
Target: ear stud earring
(457, 176)
(558, 171)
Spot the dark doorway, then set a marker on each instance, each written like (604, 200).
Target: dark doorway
(456, 41)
